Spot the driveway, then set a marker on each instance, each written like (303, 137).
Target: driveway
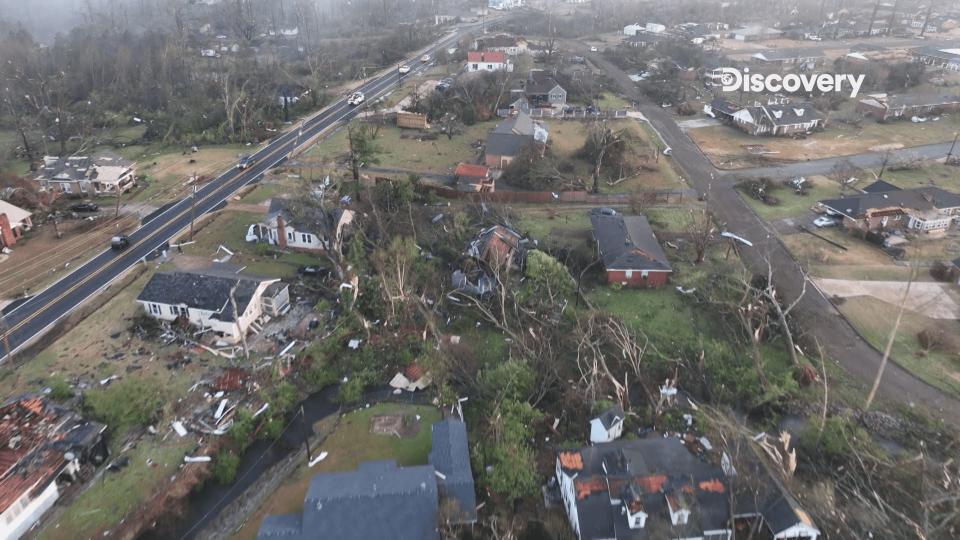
(814, 313)
(927, 298)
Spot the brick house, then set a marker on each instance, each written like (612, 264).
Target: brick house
(13, 222)
(631, 254)
(927, 209)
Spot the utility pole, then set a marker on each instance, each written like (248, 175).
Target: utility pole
(952, 146)
(116, 213)
(893, 15)
(873, 16)
(926, 19)
(883, 166)
(306, 434)
(193, 203)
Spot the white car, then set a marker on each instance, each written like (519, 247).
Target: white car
(425, 58)
(593, 49)
(404, 69)
(824, 221)
(355, 99)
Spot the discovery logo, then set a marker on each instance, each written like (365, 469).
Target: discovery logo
(734, 80)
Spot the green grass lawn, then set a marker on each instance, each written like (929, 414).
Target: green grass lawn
(229, 230)
(348, 445)
(874, 319)
(937, 174)
(114, 495)
(793, 205)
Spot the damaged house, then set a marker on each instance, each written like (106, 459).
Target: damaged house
(309, 230)
(927, 209)
(81, 175)
(662, 487)
(497, 249)
(511, 137)
(382, 500)
(43, 448)
(218, 300)
(778, 119)
(883, 107)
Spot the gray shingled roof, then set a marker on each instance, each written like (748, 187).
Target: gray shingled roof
(789, 114)
(208, 292)
(609, 416)
(922, 198)
(506, 144)
(450, 456)
(378, 500)
(628, 243)
(880, 186)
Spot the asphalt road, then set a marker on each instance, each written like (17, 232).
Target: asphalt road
(34, 317)
(815, 314)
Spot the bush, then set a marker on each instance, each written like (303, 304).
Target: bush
(59, 389)
(126, 404)
(352, 390)
(321, 376)
(225, 466)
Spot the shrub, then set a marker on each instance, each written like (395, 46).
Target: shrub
(126, 404)
(225, 466)
(60, 390)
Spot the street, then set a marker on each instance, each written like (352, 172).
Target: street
(815, 314)
(32, 318)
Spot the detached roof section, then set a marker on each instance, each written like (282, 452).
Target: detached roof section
(628, 243)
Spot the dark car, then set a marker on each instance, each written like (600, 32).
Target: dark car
(119, 242)
(85, 207)
(316, 271)
(245, 161)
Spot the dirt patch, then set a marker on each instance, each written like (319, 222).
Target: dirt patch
(398, 425)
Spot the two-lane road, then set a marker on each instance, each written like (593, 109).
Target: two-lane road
(34, 317)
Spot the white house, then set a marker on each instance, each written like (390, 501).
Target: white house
(488, 61)
(633, 29)
(608, 426)
(226, 303)
(286, 229)
(655, 28)
(504, 5)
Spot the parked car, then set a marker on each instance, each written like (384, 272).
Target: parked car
(404, 70)
(85, 207)
(245, 161)
(668, 151)
(119, 242)
(824, 221)
(315, 271)
(356, 98)
(593, 49)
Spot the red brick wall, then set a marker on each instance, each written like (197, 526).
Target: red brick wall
(652, 281)
(7, 238)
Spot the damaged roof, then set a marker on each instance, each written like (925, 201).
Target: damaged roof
(921, 199)
(35, 437)
(627, 243)
(645, 473)
(207, 291)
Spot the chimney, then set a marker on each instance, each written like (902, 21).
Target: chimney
(281, 233)
(7, 238)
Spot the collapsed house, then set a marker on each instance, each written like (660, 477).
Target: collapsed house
(496, 250)
(883, 107)
(219, 300)
(43, 447)
(382, 500)
(102, 174)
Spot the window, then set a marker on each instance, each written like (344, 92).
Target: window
(173, 310)
(629, 274)
(305, 238)
(290, 235)
(475, 67)
(155, 309)
(644, 274)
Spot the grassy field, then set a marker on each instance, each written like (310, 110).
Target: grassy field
(229, 229)
(937, 174)
(724, 145)
(168, 170)
(438, 156)
(351, 443)
(793, 205)
(874, 318)
(112, 496)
